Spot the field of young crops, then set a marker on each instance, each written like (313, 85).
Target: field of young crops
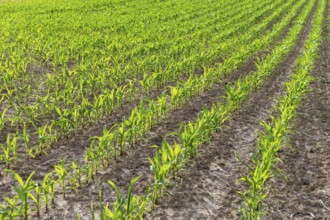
(164, 109)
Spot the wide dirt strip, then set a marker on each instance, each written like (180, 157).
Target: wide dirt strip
(304, 192)
(208, 190)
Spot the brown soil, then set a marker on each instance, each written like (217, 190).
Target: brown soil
(38, 79)
(303, 192)
(73, 148)
(120, 171)
(208, 188)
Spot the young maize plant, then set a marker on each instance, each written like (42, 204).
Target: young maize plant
(126, 206)
(76, 176)
(275, 135)
(43, 137)
(160, 170)
(167, 160)
(62, 174)
(46, 186)
(3, 118)
(26, 140)
(11, 210)
(37, 198)
(24, 192)
(9, 154)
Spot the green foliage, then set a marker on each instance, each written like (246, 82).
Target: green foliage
(62, 174)
(9, 151)
(24, 192)
(126, 206)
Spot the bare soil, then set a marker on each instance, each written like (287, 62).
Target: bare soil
(74, 147)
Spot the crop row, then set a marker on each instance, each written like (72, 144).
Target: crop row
(274, 135)
(131, 205)
(147, 115)
(99, 63)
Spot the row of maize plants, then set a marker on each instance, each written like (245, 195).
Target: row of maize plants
(87, 66)
(115, 140)
(61, 117)
(275, 134)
